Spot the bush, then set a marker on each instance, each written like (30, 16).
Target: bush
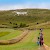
(20, 26)
(23, 25)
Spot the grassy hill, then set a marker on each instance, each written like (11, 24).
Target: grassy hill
(10, 18)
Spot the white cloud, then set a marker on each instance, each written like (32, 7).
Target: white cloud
(27, 5)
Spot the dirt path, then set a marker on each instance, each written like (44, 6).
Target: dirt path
(14, 40)
(46, 47)
(30, 37)
(26, 38)
(41, 48)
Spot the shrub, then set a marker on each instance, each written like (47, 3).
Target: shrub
(23, 25)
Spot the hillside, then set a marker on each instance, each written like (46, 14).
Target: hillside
(34, 16)
(12, 37)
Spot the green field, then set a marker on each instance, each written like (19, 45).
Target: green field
(4, 33)
(11, 26)
(13, 33)
(28, 43)
(47, 37)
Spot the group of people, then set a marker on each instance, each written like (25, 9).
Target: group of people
(40, 38)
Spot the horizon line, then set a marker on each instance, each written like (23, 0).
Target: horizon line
(22, 8)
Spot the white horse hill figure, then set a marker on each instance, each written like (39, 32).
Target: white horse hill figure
(21, 13)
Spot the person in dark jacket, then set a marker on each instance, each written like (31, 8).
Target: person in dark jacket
(41, 41)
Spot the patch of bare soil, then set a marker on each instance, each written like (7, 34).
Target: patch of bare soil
(46, 47)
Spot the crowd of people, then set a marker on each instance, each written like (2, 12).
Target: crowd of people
(40, 38)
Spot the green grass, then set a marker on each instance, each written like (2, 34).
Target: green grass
(4, 33)
(27, 44)
(13, 34)
(47, 37)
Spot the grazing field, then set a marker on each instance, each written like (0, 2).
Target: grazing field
(28, 43)
(13, 33)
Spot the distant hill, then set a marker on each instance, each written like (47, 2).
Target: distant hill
(34, 16)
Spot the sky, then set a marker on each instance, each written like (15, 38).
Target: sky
(23, 4)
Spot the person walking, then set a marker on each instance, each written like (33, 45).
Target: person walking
(38, 41)
(41, 37)
(41, 41)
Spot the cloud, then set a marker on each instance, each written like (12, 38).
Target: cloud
(27, 5)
